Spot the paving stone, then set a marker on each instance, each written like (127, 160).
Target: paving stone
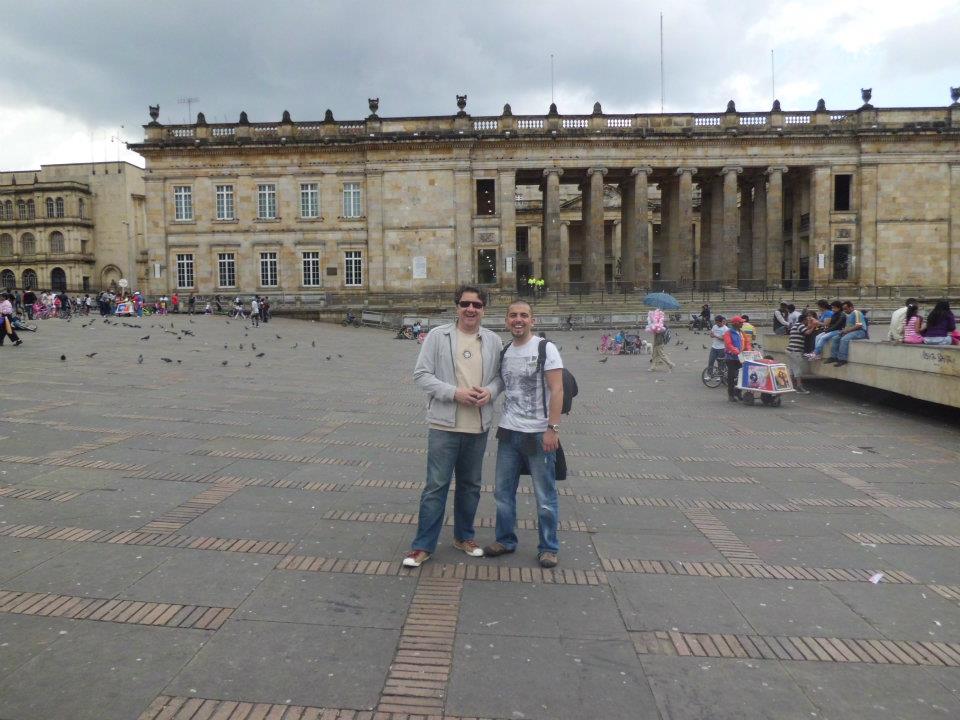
(98, 671)
(23, 637)
(675, 546)
(19, 556)
(786, 607)
(874, 692)
(228, 578)
(513, 677)
(361, 601)
(902, 612)
(721, 689)
(656, 602)
(318, 665)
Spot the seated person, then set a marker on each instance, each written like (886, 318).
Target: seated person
(833, 328)
(913, 325)
(940, 325)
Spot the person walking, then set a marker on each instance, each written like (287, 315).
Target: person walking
(459, 369)
(191, 304)
(175, 302)
(29, 300)
(795, 343)
(855, 328)
(254, 311)
(734, 343)
(529, 435)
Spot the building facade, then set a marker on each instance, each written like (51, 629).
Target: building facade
(77, 227)
(859, 197)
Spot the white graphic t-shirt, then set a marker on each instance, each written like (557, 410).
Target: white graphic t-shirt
(523, 393)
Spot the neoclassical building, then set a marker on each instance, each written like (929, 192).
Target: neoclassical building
(866, 197)
(76, 227)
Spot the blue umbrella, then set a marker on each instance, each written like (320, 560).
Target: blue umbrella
(662, 300)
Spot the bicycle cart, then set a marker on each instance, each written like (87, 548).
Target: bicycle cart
(768, 379)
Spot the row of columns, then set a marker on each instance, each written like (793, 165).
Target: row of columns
(736, 215)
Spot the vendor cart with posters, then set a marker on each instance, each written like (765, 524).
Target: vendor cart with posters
(766, 378)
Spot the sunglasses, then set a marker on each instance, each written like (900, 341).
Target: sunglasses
(471, 303)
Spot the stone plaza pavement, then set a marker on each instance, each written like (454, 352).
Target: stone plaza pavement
(219, 536)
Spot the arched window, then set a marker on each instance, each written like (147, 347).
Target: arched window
(6, 245)
(56, 242)
(8, 210)
(31, 210)
(82, 209)
(28, 246)
(21, 210)
(50, 211)
(59, 207)
(29, 280)
(8, 280)
(58, 280)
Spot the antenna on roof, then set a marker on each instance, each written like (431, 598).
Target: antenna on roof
(661, 63)
(773, 79)
(188, 101)
(551, 79)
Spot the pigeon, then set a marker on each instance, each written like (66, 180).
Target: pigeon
(279, 338)
(578, 347)
(248, 364)
(166, 360)
(604, 359)
(261, 354)
(294, 346)
(704, 347)
(253, 346)
(582, 337)
(192, 322)
(140, 360)
(63, 358)
(187, 332)
(224, 362)
(90, 355)
(145, 337)
(339, 355)
(224, 347)
(179, 361)
(241, 346)
(328, 357)
(313, 343)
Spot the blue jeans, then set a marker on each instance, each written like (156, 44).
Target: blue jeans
(822, 339)
(946, 340)
(841, 344)
(510, 454)
(449, 452)
(715, 355)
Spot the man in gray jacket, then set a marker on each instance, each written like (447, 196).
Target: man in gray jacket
(459, 369)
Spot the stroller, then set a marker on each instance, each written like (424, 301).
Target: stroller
(632, 345)
(698, 323)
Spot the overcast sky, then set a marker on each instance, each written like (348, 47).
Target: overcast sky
(76, 75)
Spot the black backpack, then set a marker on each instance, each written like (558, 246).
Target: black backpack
(570, 388)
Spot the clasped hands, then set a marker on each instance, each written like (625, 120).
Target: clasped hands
(475, 396)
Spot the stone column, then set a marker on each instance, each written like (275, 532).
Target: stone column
(704, 249)
(551, 226)
(681, 226)
(727, 266)
(953, 248)
(565, 252)
(865, 270)
(376, 257)
(463, 231)
(759, 259)
(593, 243)
(635, 236)
(820, 192)
(774, 269)
(616, 248)
(745, 243)
(507, 202)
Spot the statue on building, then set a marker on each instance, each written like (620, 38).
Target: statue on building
(866, 94)
(955, 95)
(374, 105)
(285, 119)
(731, 107)
(154, 112)
(821, 105)
(244, 120)
(461, 103)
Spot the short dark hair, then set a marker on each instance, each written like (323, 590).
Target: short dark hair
(791, 307)
(482, 294)
(823, 304)
(848, 302)
(911, 301)
(836, 304)
(746, 318)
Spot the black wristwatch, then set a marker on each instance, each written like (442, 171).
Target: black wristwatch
(555, 428)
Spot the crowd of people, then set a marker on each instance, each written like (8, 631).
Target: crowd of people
(939, 327)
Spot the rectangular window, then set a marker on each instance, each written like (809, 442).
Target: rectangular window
(185, 270)
(183, 202)
(841, 192)
(225, 202)
(486, 267)
(486, 197)
(523, 240)
(226, 270)
(268, 269)
(841, 261)
(353, 268)
(267, 202)
(311, 269)
(309, 200)
(351, 200)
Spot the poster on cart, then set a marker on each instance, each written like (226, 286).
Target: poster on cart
(124, 308)
(765, 377)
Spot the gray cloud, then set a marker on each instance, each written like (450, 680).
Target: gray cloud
(104, 62)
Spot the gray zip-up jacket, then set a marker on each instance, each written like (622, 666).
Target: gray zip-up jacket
(436, 374)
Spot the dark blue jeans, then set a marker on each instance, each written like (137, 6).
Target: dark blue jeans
(510, 453)
(449, 453)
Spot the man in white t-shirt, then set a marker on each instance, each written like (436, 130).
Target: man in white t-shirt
(717, 332)
(528, 434)
(255, 311)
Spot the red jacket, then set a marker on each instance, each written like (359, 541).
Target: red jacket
(733, 349)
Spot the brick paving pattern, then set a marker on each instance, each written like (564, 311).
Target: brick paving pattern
(226, 542)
